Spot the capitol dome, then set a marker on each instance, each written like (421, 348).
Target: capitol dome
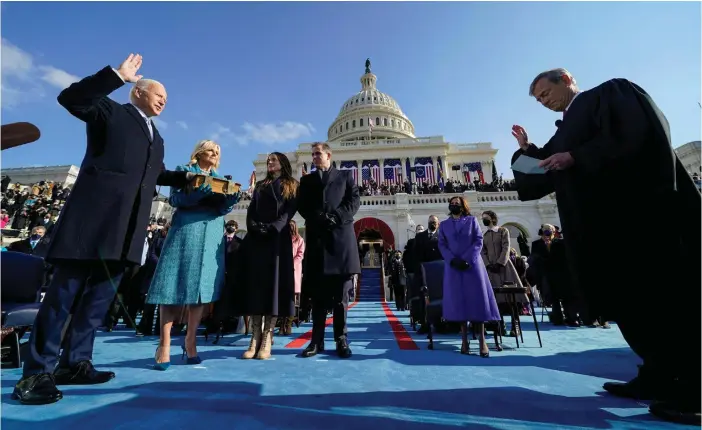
(352, 123)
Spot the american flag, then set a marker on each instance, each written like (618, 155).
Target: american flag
(393, 171)
(252, 180)
(371, 172)
(353, 167)
(424, 171)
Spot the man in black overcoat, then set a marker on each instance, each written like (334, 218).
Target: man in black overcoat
(101, 230)
(328, 201)
(609, 135)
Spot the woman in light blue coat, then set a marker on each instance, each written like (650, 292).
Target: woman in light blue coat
(190, 271)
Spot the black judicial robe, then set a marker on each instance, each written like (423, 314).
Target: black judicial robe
(106, 214)
(625, 176)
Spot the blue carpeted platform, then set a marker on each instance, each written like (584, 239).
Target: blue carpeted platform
(554, 387)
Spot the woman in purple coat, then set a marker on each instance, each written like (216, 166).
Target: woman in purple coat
(468, 295)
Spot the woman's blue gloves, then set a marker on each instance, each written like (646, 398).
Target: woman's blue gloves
(232, 199)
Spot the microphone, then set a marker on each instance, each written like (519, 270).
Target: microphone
(559, 122)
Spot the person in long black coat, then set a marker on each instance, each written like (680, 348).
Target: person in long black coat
(328, 200)
(268, 284)
(608, 135)
(101, 230)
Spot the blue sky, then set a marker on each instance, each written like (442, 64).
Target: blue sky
(268, 76)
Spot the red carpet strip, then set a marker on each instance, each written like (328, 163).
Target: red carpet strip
(403, 339)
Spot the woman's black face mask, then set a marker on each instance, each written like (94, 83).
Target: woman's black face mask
(231, 229)
(455, 209)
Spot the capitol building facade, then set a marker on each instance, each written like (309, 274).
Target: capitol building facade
(373, 139)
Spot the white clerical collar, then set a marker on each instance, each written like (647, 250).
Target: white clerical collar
(494, 228)
(571, 101)
(141, 112)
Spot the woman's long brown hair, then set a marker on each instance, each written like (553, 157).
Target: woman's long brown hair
(293, 229)
(289, 184)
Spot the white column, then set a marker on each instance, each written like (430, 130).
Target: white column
(360, 172)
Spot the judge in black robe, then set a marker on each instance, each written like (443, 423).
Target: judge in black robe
(609, 135)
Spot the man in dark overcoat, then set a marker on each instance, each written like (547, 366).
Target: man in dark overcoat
(101, 230)
(608, 135)
(328, 201)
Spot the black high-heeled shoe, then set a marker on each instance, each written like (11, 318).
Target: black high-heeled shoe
(190, 360)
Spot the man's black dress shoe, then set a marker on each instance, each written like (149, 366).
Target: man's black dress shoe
(636, 389)
(312, 350)
(82, 373)
(37, 390)
(685, 412)
(342, 349)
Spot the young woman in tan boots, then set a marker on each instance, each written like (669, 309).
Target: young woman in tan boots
(267, 285)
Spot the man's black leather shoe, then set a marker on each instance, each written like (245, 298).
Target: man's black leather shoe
(636, 389)
(37, 390)
(312, 350)
(342, 349)
(82, 373)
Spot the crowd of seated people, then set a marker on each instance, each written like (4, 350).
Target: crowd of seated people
(372, 188)
(32, 208)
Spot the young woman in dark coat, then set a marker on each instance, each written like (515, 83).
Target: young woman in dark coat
(267, 287)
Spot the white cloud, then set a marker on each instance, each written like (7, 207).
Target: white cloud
(57, 77)
(182, 125)
(266, 133)
(160, 124)
(271, 133)
(22, 78)
(15, 62)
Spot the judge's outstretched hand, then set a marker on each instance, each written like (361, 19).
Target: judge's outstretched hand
(559, 161)
(129, 68)
(521, 135)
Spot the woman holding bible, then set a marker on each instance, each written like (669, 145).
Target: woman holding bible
(190, 271)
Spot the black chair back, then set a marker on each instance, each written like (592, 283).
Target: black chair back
(22, 277)
(433, 274)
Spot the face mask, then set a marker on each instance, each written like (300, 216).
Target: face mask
(35, 237)
(486, 222)
(231, 229)
(547, 232)
(455, 209)
(432, 225)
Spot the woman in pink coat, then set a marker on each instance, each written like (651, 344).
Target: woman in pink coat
(298, 250)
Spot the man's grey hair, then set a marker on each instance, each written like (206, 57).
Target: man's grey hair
(433, 216)
(143, 85)
(554, 75)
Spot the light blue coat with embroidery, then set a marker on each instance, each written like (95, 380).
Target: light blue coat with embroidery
(190, 269)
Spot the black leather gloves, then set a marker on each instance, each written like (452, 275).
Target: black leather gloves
(328, 220)
(261, 228)
(459, 264)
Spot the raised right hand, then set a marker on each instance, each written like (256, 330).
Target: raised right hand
(521, 135)
(129, 68)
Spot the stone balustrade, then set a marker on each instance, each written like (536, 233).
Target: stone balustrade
(419, 200)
